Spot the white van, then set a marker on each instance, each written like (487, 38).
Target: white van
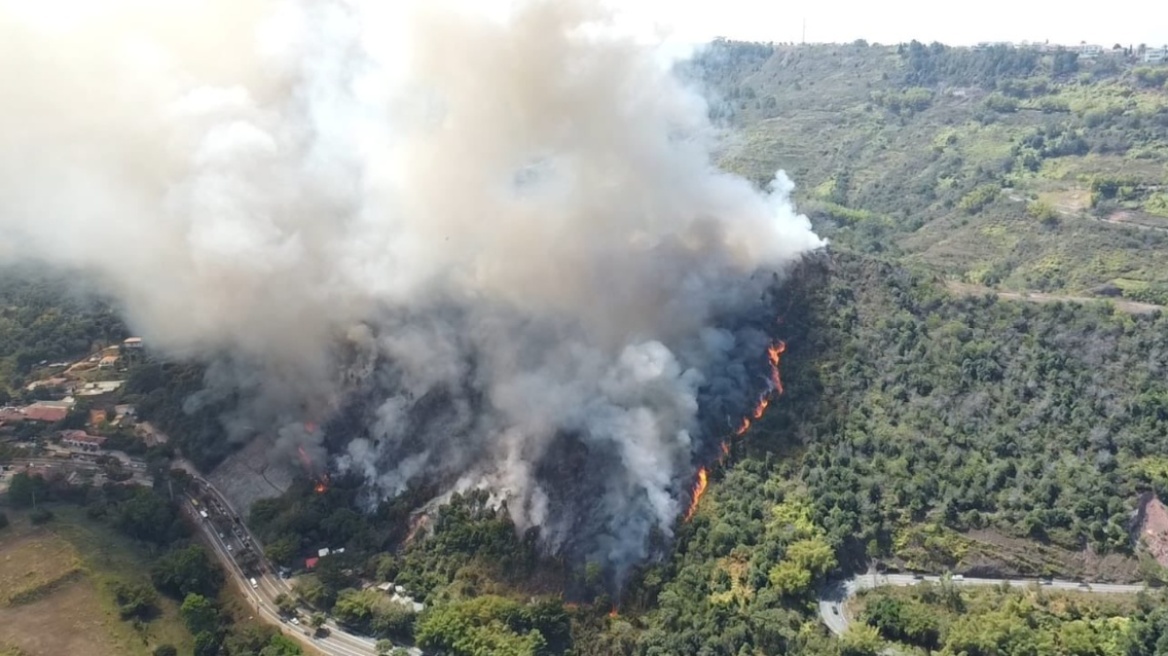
(253, 583)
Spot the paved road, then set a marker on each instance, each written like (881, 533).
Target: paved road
(338, 642)
(833, 598)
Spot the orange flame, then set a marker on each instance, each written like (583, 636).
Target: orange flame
(774, 358)
(775, 355)
(613, 614)
(761, 407)
(743, 427)
(698, 490)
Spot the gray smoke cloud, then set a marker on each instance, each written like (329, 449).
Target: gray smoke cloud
(496, 245)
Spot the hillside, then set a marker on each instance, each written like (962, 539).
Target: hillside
(974, 382)
(1007, 168)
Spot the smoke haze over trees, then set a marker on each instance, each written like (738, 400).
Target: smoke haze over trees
(495, 262)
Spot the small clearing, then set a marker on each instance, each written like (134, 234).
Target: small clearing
(1153, 528)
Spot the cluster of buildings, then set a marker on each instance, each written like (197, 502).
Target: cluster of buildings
(44, 412)
(64, 388)
(52, 412)
(1143, 54)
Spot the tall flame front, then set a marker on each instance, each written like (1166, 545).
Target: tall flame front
(774, 358)
(698, 490)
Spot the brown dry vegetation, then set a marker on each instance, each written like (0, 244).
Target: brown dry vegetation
(56, 598)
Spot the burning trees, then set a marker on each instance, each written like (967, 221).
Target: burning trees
(775, 388)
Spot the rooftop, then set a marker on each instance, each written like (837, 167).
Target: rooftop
(46, 413)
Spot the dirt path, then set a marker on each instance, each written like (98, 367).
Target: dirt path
(1131, 220)
(1131, 307)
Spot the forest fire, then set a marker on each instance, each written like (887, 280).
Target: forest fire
(321, 484)
(698, 490)
(743, 427)
(760, 409)
(774, 357)
(613, 614)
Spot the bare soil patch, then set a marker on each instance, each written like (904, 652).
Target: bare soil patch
(68, 621)
(994, 554)
(34, 563)
(55, 596)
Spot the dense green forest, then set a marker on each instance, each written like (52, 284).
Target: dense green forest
(933, 418)
(951, 620)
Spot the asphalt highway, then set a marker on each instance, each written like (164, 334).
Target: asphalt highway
(262, 598)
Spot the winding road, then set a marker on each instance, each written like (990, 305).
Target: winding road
(262, 597)
(834, 596)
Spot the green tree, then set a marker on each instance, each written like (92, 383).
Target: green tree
(187, 570)
(134, 600)
(384, 647)
(199, 614)
(146, 515)
(165, 650)
(312, 591)
(282, 551)
(24, 490)
(860, 640)
(3, 520)
(286, 604)
(207, 644)
(477, 626)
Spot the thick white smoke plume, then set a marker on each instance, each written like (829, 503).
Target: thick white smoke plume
(497, 244)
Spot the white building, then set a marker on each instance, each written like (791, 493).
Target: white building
(1156, 55)
(1090, 51)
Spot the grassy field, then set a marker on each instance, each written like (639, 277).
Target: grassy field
(56, 599)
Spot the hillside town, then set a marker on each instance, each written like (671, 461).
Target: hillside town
(72, 425)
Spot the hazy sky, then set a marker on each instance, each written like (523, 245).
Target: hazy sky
(888, 21)
(894, 21)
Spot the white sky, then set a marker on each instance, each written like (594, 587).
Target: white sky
(963, 22)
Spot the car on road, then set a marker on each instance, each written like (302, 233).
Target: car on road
(835, 609)
(296, 621)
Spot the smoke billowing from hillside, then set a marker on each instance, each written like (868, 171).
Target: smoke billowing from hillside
(496, 246)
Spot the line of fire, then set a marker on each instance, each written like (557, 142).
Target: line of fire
(774, 358)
